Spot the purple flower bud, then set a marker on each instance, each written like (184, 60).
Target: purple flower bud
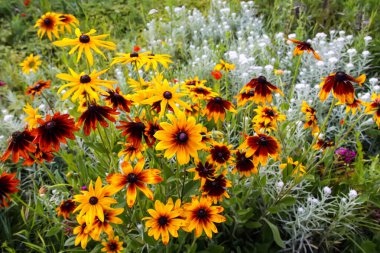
(2, 83)
(346, 155)
(84, 188)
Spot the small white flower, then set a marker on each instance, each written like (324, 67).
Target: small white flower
(365, 97)
(1, 137)
(8, 117)
(269, 68)
(41, 107)
(341, 39)
(315, 201)
(280, 184)
(344, 200)
(376, 88)
(367, 38)
(321, 35)
(366, 53)
(279, 35)
(232, 55)
(333, 60)
(351, 51)
(152, 11)
(300, 210)
(350, 65)
(341, 33)
(292, 36)
(352, 194)
(320, 63)
(327, 190)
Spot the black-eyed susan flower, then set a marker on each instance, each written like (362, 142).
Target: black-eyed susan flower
(374, 108)
(66, 208)
(244, 165)
(150, 130)
(262, 126)
(181, 138)
(82, 83)
(245, 97)
(32, 116)
(294, 168)
(49, 23)
(82, 232)
(117, 100)
(164, 220)
(134, 58)
(133, 130)
(131, 151)
(37, 87)
(194, 81)
(225, 66)
(261, 146)
(94, 202)
(323, 144)
(68, 21)
(216, 108)
(166, 96)
(38, 156)
(303, 46)
(201, 216)
(310, 117)
(134, 178)
(8, 185)
(203, 172)
(112, 245)
(96, 114)
(200, 92)
(31, 64)
(105, 226)
(85, 42)
(352, 107)
(54, 130)
(341, 86)
(19, 144)
(152, 60)
(268, 115)
(220, 154)
(262, 89)
(216, 188)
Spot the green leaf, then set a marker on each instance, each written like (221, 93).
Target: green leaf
(70, 242)
(53, 231)
(253, 224)
(276, 234)
(213, 249)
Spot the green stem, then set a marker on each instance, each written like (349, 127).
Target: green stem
(47, 101)
(294, 77)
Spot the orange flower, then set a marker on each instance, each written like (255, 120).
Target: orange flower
(216, 108)
(216, 74)
(216, 188)
(66, 208)
(8, 184)
(341, 86)
(304, 46)
(262, 89)
(135, 178)
(19, 144)
(244, 165)
(37, 87)
(374, 108)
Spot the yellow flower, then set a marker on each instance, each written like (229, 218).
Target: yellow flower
(137, 59)
(112, 245)
(201, 216)
(311, 117)
(224, 66)
(68, 21)
(93, 202)
(165, 97)
(49, 24)
(152, 61)
(109, 217)
(182, 137)
(267, 115)
(164, 219)
(296, 168)
(82, 231)
(33, 116)
(85, 42)
(31, 63)
(84, 84)
(374, 108)
(355, 105)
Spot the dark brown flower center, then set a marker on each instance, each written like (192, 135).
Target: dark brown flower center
(263, 140)
(251, 93)
(340, 76)
(85, 79)
(93, 200)
(261, 79)
(218, 100)
(16, 136)
(48, 21)
(201, 213)
(191, 83)
(68, 205)
(134, 54)
(37, 86)
(50, 125)
(163, 221)
(182, 137)
(168, 95)
(113, 246)
(132, 178)
(84, 38)
(270, 113)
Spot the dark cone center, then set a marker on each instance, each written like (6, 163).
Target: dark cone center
(218, 100)
(340, 76)
(168, 95)
(263, 140)
(134, 54)
(182, 137)
(84, 38)
(50, 125)
(85, 79)
(112, 246)
(47, 21)
(261, 79)
(93, 200)
(270, 113)
(201, 213)
(163, 221)
(132, 178)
